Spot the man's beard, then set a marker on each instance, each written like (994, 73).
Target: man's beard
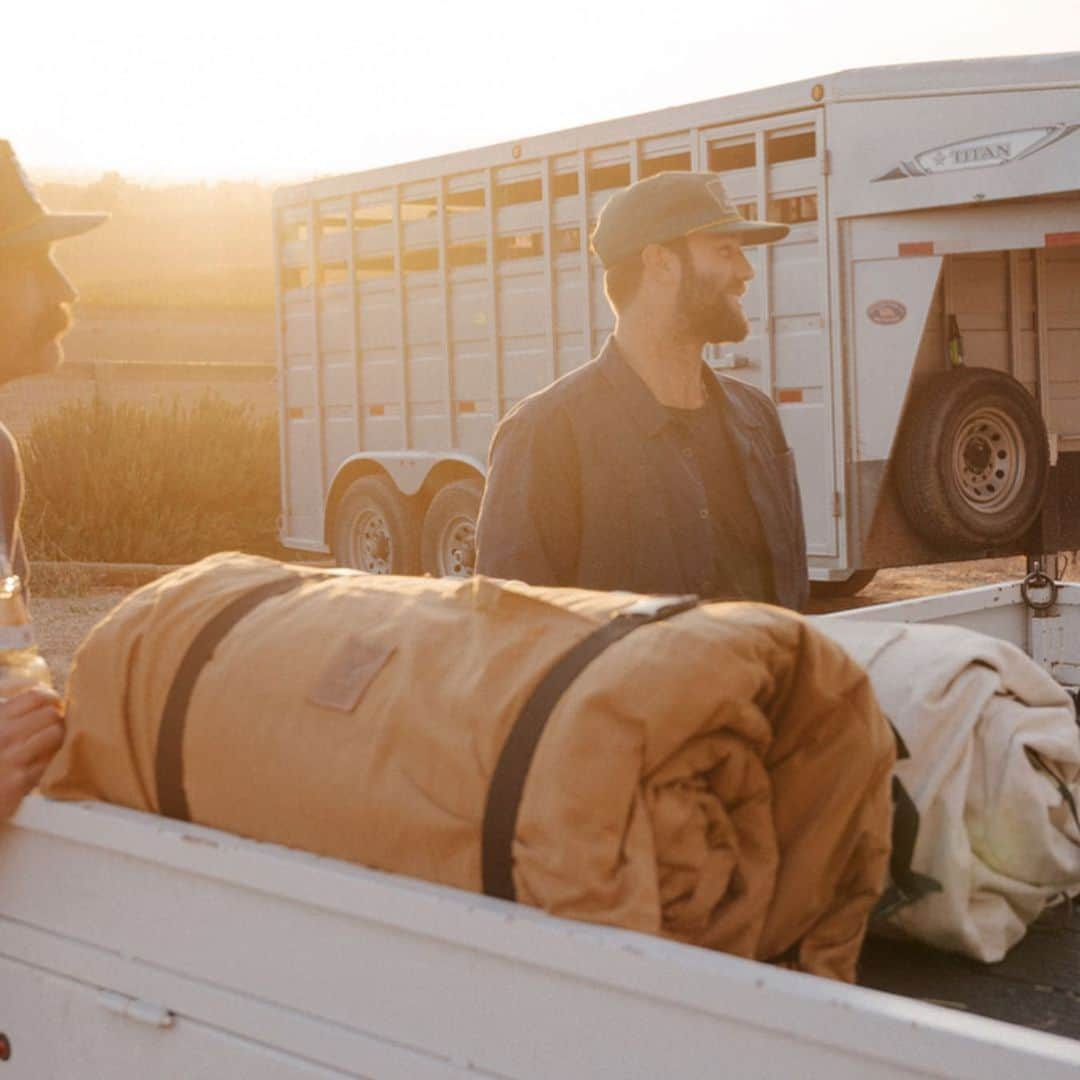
(51, 326)
(706, 311)
(39, 352)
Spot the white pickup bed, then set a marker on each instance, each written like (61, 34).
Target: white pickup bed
(134, 946)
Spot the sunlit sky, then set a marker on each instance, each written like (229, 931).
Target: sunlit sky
(277, 91)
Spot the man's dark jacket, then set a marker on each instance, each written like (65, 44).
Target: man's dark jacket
(586, 486)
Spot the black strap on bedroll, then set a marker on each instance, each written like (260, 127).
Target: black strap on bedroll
(169, 765)
(508, 780)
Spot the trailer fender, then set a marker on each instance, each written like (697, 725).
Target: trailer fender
(408, 472)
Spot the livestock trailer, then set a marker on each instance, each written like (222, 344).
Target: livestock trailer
(919, 328)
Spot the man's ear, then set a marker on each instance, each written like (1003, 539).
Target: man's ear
(660, 262)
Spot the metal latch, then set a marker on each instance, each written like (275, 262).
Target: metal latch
(142, 1012)
(659, 607)
(1039, 589)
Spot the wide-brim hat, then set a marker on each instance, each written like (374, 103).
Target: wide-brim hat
(24, 221)
(671, 205)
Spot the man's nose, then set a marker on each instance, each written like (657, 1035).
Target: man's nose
(743, 267)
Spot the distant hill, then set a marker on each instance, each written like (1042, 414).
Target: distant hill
(195, 246)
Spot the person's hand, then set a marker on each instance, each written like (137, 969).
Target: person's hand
(31, 730)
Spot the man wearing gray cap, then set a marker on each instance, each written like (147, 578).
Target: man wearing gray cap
(644, 469)
(34, 314)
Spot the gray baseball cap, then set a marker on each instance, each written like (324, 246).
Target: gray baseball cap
(23, 220)
(667, 206)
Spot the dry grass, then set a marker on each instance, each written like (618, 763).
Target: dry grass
(120, 483)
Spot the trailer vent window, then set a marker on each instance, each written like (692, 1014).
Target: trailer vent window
(295, 277)
(781, 148)
(568, 240)
(668, 163)
(333, 225)
(333, 274)
(465, 202)
(372, 267)
(419, 208)
(795, 210)
(564, 184)
(420, 259)
(515, 192)
(606, 177)
(368, 217)
(521, 246)
(726, 157)
(472, 253)
(294, 232)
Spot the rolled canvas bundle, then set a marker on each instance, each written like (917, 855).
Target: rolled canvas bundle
(718, 774)
(992, 769)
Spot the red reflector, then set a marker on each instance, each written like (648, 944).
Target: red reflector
(920, 247)
(1062, 239)
(466, 406)
(787, 396)
(376, 410)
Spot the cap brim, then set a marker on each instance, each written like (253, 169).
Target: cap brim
(52, 227)
(749, 232)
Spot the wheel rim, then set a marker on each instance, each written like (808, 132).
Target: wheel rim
(371, 544)
(457, 547)
(989, 460)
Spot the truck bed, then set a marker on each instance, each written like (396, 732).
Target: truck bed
(165, 949)
(160, 948)
(1037, 985)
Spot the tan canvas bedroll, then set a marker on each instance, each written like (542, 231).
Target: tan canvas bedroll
(719, 775)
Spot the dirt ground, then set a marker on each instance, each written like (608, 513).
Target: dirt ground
(67, 606)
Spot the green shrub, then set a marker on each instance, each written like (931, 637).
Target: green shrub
(124, 483)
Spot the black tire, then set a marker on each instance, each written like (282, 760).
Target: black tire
(973, 460)
(836, 590)
(448, 539)
(374, 529)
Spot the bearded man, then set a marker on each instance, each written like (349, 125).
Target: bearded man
(35, 299)
(644, 469)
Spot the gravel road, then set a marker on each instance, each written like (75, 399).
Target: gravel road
(61, 622)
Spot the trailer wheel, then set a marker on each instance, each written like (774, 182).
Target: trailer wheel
(448, 539)
(972, 460)
(375, 529)
(835, 590)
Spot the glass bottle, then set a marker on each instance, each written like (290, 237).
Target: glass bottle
(21, 665)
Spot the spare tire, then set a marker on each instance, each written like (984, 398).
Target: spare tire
(972, 460)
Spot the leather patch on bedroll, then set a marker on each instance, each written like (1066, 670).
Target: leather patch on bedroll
(353, 665)
(720, 776)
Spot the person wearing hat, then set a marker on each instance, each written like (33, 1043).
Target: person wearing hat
(35, 299)
(644, 469)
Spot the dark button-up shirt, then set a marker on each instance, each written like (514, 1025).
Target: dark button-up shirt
(741, 565)
(588, 485)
